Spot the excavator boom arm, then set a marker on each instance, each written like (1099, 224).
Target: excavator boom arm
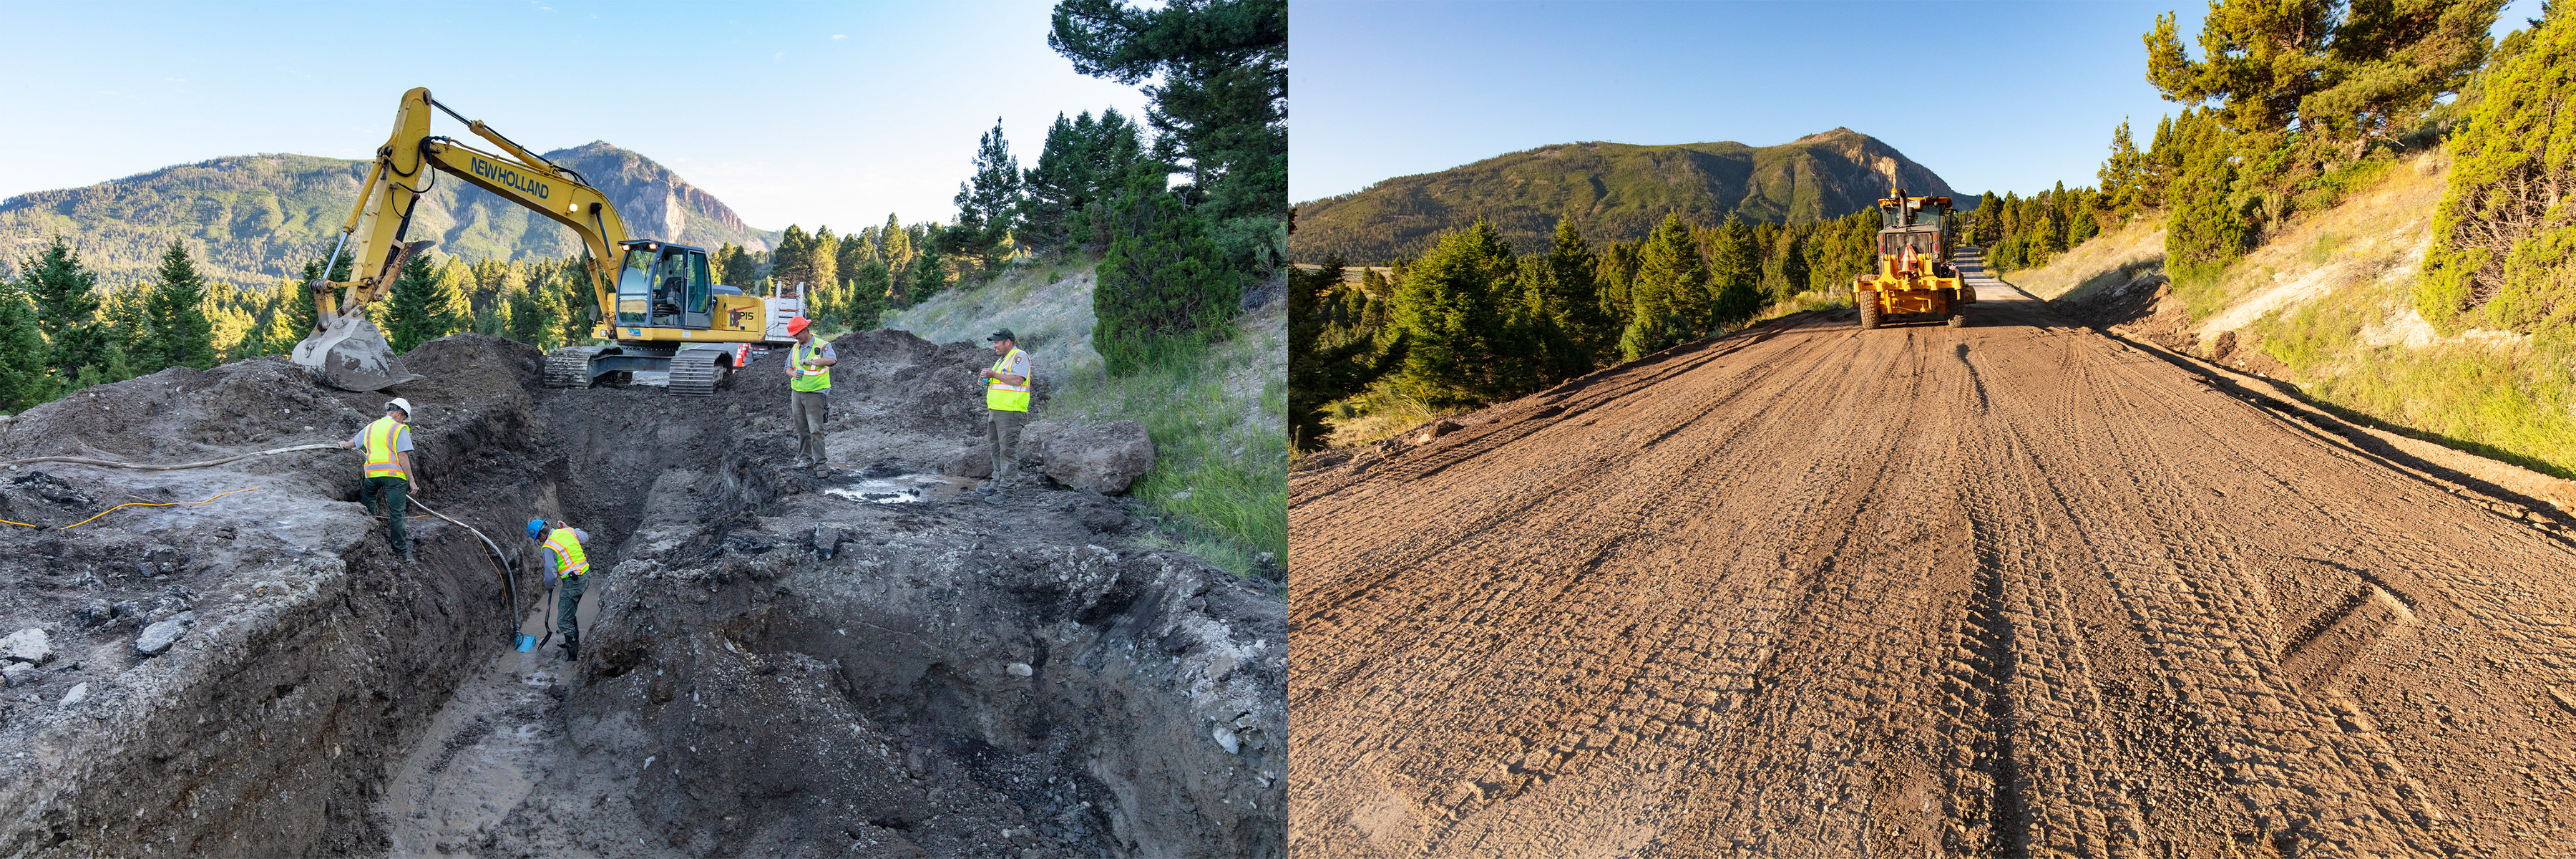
(407, 167)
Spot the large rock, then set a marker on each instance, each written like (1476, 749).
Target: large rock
(1103, 458)
(27, 645)
(158, 637)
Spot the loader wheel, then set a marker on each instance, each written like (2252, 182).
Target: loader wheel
(1868, 302)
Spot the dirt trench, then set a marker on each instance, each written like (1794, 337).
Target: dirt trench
(2014, 589)
(776, 664)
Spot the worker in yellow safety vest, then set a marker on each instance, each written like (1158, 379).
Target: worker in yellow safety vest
(568, 573)
(389, 475)
(1006, 402)
(809, 375)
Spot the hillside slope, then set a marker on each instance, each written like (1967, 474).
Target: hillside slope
(2324, 307)
(252, 219)
(1617, 191)
(1219, 424)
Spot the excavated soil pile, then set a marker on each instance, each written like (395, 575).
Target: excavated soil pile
(2015, 589)
(779, 663)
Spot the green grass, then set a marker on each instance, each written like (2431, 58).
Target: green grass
(1219, 486)
(2500, 400)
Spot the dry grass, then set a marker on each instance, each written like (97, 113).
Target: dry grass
(2108, 260)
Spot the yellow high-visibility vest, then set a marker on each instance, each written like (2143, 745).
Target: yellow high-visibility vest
(380, 450)
(808, 379)
(1003, 397)
(569, 561)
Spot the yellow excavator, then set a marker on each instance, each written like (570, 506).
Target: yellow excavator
(1914, 271)
(659, 304)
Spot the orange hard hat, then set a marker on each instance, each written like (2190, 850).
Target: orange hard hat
(798, 325)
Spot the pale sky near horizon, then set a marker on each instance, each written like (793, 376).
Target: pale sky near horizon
(808, 113)
(2001, 96)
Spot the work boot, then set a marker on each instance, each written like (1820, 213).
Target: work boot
(572, 649)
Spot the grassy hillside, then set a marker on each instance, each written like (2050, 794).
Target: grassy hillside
(1219, 424)
(2326, 306)
(1616, 191)
(254, 219)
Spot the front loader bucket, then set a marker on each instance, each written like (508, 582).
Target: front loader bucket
(352, 355)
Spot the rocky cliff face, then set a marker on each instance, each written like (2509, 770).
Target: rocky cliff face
(1616, 191)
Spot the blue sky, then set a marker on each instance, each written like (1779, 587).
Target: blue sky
(2002, 96)
(831, 113)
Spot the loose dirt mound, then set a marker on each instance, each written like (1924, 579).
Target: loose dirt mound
(2013, 589)
(744, 690)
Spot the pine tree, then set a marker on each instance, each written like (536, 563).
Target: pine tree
(871, 288)
(2204, 231)
(929, 276)
(128, 314)
(1784, 266)
(1059, 185)
(1574, 302)
(418, 310)
(66, 298)
(788, 262)
(988, 203)
(1734, 277)
(894, 245)
(1451, 310)
(1670, 293)
(24, 379)
(181, 333)
(536, 315)
(2502, 235)
(1163, 286)
(1219, 87)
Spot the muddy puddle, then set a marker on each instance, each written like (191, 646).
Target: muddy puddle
(898, 489)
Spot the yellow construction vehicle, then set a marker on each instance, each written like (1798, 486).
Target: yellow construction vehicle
(658, 303)
(1914, 271)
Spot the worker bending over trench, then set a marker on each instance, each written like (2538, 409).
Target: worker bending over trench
(570, 570)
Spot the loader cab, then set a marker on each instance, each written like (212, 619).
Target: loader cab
(663, 285)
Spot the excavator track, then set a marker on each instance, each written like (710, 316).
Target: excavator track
(569, 367)
(695, 372)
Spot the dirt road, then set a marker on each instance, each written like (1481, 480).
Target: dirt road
(2010, 589)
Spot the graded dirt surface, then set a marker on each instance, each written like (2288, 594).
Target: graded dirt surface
(2013, 589)
(775, 663)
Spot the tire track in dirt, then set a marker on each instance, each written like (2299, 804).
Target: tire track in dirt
(2017, 589)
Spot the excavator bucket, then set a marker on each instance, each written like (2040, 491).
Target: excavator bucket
(352, 356)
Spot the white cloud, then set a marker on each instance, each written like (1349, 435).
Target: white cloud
(839, 36)
(176, 80)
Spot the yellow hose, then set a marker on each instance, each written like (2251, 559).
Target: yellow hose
(140, 504)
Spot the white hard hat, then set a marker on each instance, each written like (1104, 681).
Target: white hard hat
(399, 403)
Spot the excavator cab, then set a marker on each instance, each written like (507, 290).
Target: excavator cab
(663, 285)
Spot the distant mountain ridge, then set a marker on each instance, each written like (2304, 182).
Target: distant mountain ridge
(1615, 192)
(255, 219)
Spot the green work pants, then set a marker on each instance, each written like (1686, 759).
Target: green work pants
(568, 604)
(1004, 440)
(396, 493)
(812, 410)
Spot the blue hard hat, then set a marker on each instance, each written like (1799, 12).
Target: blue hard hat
(536, 529)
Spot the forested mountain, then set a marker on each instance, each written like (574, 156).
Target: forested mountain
(257, 218)
(1617, 192)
